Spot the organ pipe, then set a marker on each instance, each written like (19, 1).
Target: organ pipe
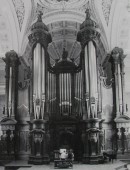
(93, 70)
(93, 78)
(39, 81)
(120, 89)
(10, 91)
(87, 80)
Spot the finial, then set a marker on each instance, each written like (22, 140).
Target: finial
(39, 15)
(64, 54)
(88, 11)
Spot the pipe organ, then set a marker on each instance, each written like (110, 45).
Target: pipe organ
(65, 100)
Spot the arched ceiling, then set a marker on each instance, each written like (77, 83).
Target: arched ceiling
(63, 18)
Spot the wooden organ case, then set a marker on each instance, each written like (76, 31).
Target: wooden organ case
(65, 104)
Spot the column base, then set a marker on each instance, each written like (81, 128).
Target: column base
(97, 159)
(39, 160)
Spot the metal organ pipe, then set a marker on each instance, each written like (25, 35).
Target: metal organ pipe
(70, 92)
(64, 92)
(10, 91)
(67, 85)
(60, 82)
(39, 81)
(43, 80)
(120, 89)
(93, 78)
(87, 80)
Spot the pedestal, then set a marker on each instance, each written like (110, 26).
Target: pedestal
(39, 141)
(8, 139)
(92, 153)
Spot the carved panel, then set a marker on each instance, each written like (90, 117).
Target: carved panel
(106, 7)
(20, 11)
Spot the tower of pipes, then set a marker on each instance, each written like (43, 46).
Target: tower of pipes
(39, 40)
(87, 36)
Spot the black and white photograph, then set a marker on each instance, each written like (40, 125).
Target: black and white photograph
(65, 84)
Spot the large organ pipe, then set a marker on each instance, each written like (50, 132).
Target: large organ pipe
(48, 91)
(93, 75)
(120, 89)
(65, 89)
(87, 80)
(38, 57)
(43, 80)
(43, 72)
(67, 93)
(51, 92)
(62, 91)
(70, 92)
(10, 90)
(10, 84)
(80, 92)
(60, 81)
(76, 93)
(93, 69)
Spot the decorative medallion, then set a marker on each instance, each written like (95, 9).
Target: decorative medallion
(106, 7)
(20, 11)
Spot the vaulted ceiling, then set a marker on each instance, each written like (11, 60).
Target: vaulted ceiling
(63, 18)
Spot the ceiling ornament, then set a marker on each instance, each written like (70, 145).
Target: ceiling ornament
(63, 4)
(20, 11)
(106, 8)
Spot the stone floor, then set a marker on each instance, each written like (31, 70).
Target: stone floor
(106, 166)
